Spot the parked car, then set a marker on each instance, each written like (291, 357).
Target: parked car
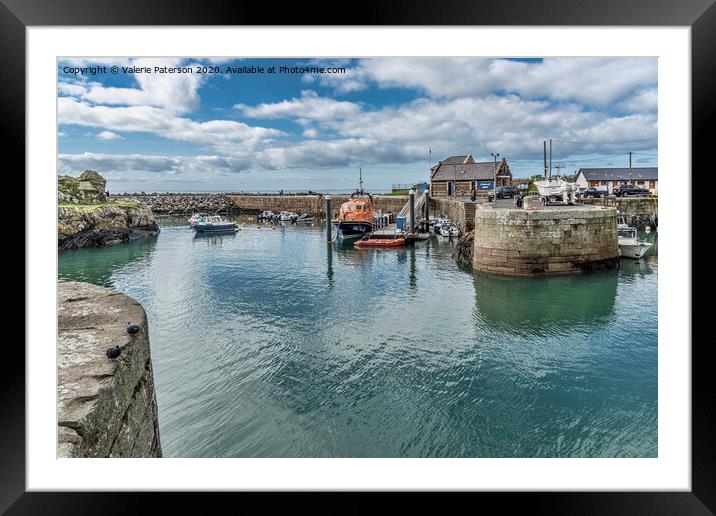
(593, 192)
(506, 192)
(629, 190)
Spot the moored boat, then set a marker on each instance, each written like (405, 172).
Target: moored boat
(356, 216)
(287, 216)
(382, 241)
(215, 224)
(629, 245)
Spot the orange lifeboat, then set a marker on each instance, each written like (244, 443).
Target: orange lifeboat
(355, 219)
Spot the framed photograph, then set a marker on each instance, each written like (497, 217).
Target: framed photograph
(416, 253)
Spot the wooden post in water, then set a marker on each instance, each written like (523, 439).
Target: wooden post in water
(329, 236)
(412, 210)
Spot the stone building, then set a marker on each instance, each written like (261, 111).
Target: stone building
(458, 175)
(610, 178)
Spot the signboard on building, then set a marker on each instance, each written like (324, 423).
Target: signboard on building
(484, 185)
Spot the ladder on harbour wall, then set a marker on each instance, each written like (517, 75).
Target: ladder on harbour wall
(470, 208)
(419, 211)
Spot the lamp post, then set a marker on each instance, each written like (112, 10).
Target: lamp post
(494, 178)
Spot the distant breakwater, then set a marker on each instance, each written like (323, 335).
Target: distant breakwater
(182, 203)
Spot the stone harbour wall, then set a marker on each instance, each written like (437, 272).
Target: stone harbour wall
(314, 204)
(105, 408)
(548, 241)
(639, 212)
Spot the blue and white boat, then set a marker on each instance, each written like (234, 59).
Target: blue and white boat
(215, 224)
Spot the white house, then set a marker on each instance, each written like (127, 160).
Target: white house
(609, 178)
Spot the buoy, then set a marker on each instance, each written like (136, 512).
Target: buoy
(647, 229)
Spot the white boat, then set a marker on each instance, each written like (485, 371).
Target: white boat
(449, 230)
(287, 216)
(555, 189)
(439, 223)
(196, 218)
(629, 245)
(215, 224)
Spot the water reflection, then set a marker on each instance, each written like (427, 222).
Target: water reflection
(96, 264)
(329, 265)
(213, 239)
(641, 267)
(544, 305)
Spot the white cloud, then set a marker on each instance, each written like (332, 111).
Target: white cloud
(507, 124)
(158, 121)
(644, 101)
(177, 93)
(71, 88)
(138, 163)
(593, 80)
(308, 107)
(108, 135)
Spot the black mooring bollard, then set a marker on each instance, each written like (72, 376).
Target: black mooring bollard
(329, 236)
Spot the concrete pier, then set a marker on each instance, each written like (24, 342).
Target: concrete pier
(105, 408)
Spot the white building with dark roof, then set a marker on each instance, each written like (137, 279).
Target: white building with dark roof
(610, 178)
(458, 175)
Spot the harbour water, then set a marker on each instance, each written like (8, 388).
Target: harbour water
(271, 343)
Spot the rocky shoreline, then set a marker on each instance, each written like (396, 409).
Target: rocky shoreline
(178, 204)
(103, 224)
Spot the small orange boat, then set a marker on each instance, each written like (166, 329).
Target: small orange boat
(380, 242)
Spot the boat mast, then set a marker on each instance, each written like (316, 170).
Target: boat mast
(360, 180)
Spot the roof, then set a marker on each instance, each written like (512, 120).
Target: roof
(455, 160)
(454, 168)
(619, 174)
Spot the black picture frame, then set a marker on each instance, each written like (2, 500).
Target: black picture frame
(700, 15)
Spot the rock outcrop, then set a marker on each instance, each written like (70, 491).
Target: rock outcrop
(100, 224)
(90, 186)
(464, 249)
(105, 408)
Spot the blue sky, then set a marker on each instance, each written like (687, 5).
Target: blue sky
(293, 130)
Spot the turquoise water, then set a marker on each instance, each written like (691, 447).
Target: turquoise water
(269, 343)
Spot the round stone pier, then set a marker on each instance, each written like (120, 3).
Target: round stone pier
(545, 241)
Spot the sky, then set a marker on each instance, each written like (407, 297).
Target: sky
(218, 124)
